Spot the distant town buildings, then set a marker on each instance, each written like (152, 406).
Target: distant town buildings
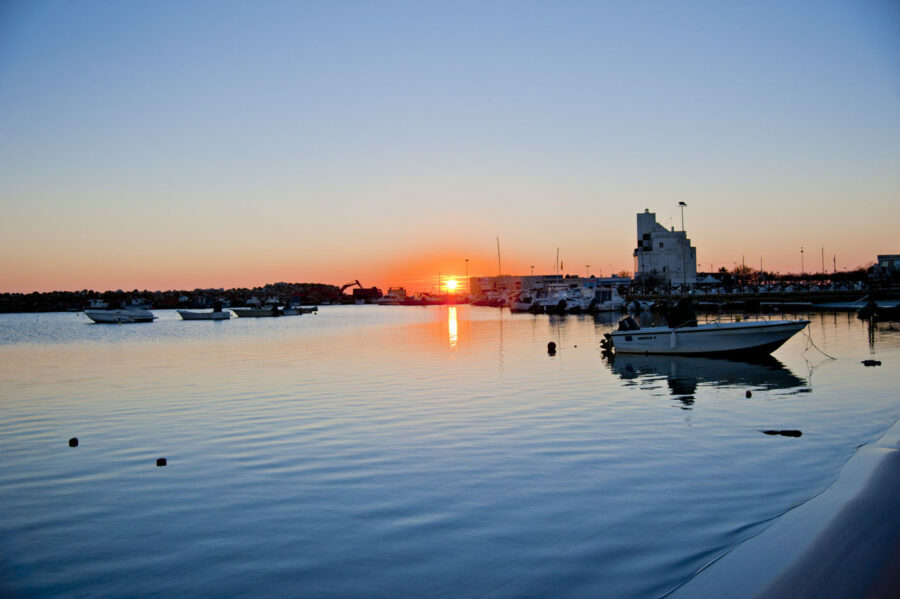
(663, 255)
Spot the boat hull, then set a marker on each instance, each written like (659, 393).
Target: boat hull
(120, 316)
(256, 312)
(734, 338)
(188, 315)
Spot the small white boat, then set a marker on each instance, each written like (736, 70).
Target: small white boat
(214, 315)
(522, 302)
(121, 316)
(607, 299)
(717, 338)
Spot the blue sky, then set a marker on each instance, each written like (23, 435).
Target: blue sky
(234, 143)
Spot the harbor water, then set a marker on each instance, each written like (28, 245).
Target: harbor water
(389, 451)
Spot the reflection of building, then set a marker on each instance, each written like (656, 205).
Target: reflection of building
(507, 284)
(663, 254)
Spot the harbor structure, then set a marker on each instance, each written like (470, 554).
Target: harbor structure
(889, 263)
(663, 255)
(508, 285)
(398, 292)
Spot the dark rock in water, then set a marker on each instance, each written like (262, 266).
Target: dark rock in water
(551, 348)
(161, 462)
(785, 433)
(73, 442)
(871, 362)
(748, 395)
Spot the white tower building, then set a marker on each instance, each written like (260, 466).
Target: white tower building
(662, 254)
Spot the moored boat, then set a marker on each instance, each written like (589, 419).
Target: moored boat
(298, 310)
(120, 316)
(522, 302)
(190, 315)
(251, 312)
(716, 338)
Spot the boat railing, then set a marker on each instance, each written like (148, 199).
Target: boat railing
(710, 318)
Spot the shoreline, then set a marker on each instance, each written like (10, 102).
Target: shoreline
(843, 543)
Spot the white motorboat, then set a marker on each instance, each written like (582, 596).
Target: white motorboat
(716, 338)
(607, 299)
(522, 302)
(214, 315)
(120, 316)
(552, 299)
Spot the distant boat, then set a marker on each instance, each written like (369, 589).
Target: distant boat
(122, 316)
(298, 310)
(258, 312)
(190, 315)
(388, 300)
(607, 299)
(522, 303)
(717, 338)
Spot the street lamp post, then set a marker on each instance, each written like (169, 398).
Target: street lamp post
(802, 269)
(682, 205)
(468, 287)
(587, 270)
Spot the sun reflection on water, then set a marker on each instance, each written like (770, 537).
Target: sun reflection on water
(453, 327)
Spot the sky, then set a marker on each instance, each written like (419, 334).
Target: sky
(180, 145)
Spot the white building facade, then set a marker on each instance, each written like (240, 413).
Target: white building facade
(662, 254)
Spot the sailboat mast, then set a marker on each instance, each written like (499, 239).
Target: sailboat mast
(499, 267)
(557, 265)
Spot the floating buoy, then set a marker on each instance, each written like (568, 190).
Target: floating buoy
(73, 442)
(748, 395)
(161, 462)
(551, 348)
(871, 362)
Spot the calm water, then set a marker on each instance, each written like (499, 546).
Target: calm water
(406, 452)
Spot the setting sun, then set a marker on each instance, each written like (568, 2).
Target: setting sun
(452, 285)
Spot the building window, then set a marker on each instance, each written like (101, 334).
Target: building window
(660, 244)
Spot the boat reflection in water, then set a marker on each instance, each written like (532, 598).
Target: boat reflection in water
(685, 373)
